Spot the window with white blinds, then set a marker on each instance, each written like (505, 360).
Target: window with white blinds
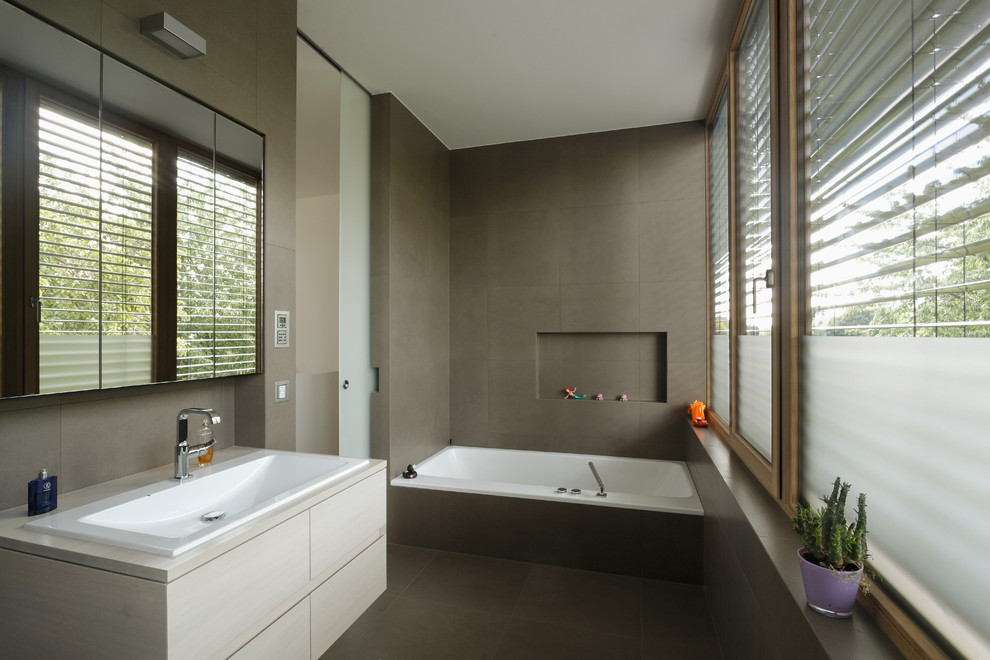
(898, 167)
(217, 238)
(754, 179)
(718, 196)
(754, 348)
(897, 118)
(94, 253)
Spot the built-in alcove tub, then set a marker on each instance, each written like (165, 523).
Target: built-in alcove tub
(504, 503)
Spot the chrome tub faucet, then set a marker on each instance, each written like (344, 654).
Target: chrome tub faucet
(183, 452)
(601, 485)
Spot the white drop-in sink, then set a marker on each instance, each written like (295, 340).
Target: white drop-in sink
(169, 518)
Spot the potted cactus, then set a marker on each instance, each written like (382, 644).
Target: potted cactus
(833, 553)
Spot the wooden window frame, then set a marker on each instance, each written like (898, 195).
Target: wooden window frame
(781, 475)
(767, 472)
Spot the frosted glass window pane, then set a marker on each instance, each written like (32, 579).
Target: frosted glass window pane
(68, 362)
(125, 360)
(721, 304)
(754, 392)
(720, 375)
(755, 235)
(904, 420)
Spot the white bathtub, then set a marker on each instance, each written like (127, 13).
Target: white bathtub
(630, 483)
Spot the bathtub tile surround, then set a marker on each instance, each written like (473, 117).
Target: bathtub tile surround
(650, 544)
(441, 605)
(599, 233)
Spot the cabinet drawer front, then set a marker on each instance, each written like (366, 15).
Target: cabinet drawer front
(339, 601)
(229, 596)
(346, 524)
(286, 639)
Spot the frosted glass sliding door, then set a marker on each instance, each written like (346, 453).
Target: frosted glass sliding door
(355, 270)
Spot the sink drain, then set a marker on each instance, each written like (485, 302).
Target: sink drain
(212, 516)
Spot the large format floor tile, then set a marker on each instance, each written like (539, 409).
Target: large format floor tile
(443, 605)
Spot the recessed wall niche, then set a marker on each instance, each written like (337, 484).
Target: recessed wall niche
(613, 363)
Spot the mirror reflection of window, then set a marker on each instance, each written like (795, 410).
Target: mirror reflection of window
(95, 194)
(130, 240)
(217, 234)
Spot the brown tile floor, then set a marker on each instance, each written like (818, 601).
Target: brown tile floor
(443, 605)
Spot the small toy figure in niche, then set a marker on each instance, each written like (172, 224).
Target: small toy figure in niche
(599, 397)
(571, 393)
(623, 397)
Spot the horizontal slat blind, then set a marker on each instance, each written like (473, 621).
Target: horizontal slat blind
(217, 270)
(195, 278)
(94, 243)
(237, 273)
(754, 234)
(718, 196)
(754, 178)
(897, 114)
(898, 167)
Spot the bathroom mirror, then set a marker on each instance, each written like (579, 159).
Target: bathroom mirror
(130, 242)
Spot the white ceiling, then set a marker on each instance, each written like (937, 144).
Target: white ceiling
(481, 72)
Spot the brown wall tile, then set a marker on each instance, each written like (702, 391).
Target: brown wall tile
(515, 315)
(599, 307)
(523, 248)
(670, 240)
(469, 323)
(411, 322)
(524, 176)
(612, 226)
(599, 169)
(672, 162)
(468, 398)
(468, 182)
(599, 244)
(30, 441)
(469, 250)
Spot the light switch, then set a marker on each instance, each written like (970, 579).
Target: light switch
(281, 391)
(281, 329)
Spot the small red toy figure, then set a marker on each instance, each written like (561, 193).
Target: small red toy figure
(697, 412)
(571, 393)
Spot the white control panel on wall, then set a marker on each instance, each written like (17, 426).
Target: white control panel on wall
(281, 329)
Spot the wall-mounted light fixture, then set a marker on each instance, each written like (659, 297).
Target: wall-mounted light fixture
(172, 34)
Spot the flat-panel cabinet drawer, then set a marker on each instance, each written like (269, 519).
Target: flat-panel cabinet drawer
(339, 601)
(209, 607)
(286, 639)
(346, 524)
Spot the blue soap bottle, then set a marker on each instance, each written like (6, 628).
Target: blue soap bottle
(42, 494)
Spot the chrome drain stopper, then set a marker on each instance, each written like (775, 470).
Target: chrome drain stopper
(212, 516)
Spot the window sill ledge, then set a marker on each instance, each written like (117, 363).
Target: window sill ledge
(752, 578)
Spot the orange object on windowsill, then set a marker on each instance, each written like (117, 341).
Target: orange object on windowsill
(697, 412)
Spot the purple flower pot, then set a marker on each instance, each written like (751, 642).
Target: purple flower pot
(830, 592)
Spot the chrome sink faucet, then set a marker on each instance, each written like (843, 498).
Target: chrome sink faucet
(183, 452)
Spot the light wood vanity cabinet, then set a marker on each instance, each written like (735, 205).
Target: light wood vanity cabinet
(287, 592)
